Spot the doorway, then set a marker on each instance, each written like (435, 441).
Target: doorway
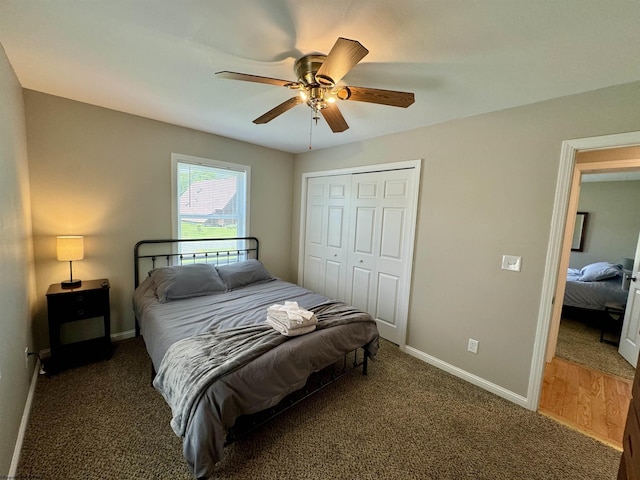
(613, 153)
(594, 302)
(610, 160)
(567, 190)
(587, 383)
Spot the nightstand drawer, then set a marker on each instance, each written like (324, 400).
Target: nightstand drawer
(79, 305)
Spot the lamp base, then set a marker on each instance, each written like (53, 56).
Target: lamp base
(71, 283)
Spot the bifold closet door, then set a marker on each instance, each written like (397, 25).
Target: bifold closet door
(378, 257)
(326, 234)
(358, 233)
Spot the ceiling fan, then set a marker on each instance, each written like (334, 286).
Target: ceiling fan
(318, 76)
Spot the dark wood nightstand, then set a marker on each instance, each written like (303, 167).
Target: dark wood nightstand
(612, 322)
(89, 300)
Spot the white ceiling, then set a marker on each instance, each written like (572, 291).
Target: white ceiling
(157, 58)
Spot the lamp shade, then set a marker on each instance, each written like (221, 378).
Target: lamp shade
(70, 247)
(627, 263)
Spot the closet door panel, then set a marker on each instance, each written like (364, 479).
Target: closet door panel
(361, 288)
(391, 240)
(335, 227)
(332, 285)
(326, 231)
(387, 299)
(364, 230)
(314, 225)
(313, 273)
(378, 234)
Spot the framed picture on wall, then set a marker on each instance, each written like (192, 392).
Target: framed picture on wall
(577, 244)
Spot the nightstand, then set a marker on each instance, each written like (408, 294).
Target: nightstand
(89, 300)
(612, 322)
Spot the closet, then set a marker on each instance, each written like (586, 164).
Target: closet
(359, 229)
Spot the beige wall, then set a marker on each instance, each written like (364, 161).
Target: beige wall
(487, 189)
(107, 175)
(17, 292)
(613, 223)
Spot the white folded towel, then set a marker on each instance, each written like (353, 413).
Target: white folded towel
(289, 332)
(291, 315)
(291, 320)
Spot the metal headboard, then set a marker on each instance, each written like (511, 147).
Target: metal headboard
(168, 252)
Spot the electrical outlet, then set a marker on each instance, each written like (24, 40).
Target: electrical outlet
(26, 357)
(473, 345)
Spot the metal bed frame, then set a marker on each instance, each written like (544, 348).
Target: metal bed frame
(245, 424)
(213, 255)
(208, 255)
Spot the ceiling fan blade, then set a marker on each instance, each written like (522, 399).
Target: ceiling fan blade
(334, 118)
(344, 55)
(279, 110)
(256, 78)
(374, 95)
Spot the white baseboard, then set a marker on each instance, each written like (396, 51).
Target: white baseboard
(469, 377)
(23, 423)
(116, 337)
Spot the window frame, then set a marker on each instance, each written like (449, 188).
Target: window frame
(206, 162)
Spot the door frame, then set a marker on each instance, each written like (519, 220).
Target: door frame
(402, 165)
(566, 201)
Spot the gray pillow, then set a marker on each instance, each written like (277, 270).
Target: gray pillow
(240, 274)
(186, 281)
(599, 271)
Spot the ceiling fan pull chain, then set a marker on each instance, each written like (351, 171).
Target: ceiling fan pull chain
(310, 128)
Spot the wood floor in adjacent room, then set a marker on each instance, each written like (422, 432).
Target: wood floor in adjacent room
(593, 402)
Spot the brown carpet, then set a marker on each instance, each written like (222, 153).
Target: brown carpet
(405, 420)
(579, 342)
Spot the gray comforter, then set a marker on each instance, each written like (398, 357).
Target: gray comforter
(593, 295)
(194, 363)
(270, 368)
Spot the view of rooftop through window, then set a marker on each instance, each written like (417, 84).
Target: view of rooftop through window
(211, 203)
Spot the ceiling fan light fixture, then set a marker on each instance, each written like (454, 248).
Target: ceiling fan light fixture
(316, 93)
(319, 98)
(317, 78)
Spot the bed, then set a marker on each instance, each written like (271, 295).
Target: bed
(594, 286)
(201, 310)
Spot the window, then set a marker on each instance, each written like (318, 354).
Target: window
(210, 198)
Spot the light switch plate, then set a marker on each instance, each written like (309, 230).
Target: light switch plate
(511, 262)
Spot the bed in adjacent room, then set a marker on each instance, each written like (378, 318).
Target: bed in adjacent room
(594, 286)
(202, 318)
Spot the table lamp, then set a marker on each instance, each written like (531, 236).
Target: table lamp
(70, 248)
